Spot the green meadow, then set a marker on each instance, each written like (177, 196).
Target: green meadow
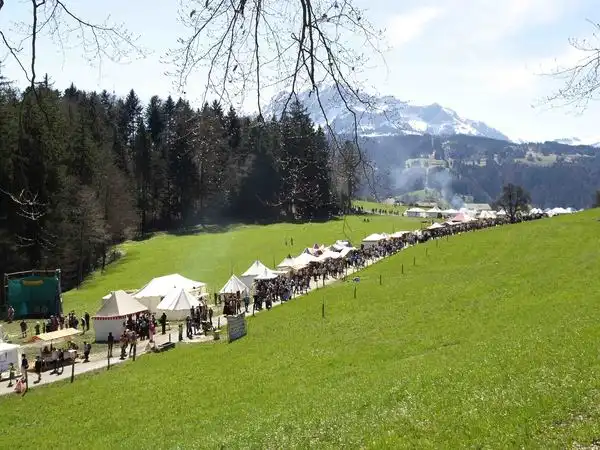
(211, 255)
(489, 341)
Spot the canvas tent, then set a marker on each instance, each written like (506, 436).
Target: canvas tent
(435, 226)
(158, 288)
(233, 286)
(433, 212)
(112, 314)
(373, 239)
(266, 274)
(414, 212)
(304, 259)
(286, 264)
(177, 304)
(9, 353)
(255, 269)
(329, 254)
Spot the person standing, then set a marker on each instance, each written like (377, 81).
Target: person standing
(38, 368)
(24, 364)
(87, 348)
(163, 322)
(111, 342)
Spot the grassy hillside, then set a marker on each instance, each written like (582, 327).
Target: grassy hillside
(489, 342)
(211, 257)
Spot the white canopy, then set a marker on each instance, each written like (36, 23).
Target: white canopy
(346, 250)
(375, 237)
(255, 269)
(329, 254)
(435, 226)
(399, 234)
(119, 305)
(177, 304)
(304, 259)
(153, 293)
(233, 286)
(110, 317)
(9, 353)
(286, 263)
(267, 274)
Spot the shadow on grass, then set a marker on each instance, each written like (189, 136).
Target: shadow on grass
(224, 227)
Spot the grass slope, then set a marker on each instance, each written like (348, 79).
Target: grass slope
(211, 257)
(489, 342)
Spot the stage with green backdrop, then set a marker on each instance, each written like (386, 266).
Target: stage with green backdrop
(34, 294)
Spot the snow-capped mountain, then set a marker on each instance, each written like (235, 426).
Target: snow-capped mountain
(382, 116)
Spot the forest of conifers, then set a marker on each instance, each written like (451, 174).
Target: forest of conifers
(83, 171)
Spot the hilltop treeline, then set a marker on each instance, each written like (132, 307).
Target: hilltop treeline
(555, 174)
(82, 171)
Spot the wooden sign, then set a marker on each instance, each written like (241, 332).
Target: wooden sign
(236, 327)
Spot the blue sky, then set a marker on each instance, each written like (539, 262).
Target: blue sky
(482, 58)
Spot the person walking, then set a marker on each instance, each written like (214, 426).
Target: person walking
(38, 368)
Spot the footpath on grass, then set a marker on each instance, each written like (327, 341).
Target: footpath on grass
(99, 362)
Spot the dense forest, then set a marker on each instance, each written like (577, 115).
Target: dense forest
(83, 171)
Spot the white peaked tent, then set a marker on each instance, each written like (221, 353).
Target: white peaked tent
(158, 288)
(112, 314)
(255, 269)
(435, 226)
(433, 212)
(304, 259)
(329, 254)
(267, 274)
(233, 286)
(346, 250)
(286, 264)
(177, 304)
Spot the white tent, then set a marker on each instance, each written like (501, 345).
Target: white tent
(157, 289)
(255, 269)
(435, 226)
(347, 250)
(233, 286)
(415, 212)
(433, 212)
(304, 259)
(329, 254)
(399, 234)
(286, 264)
(266, 274)
(112, 314)
(373, 239)
(177, 304)
(9, 353)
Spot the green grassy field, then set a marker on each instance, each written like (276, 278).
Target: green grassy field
(211, 257)
(490, 341)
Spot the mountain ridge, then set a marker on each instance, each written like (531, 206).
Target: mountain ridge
(383, 116)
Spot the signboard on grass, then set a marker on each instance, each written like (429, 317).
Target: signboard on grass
(236, 327)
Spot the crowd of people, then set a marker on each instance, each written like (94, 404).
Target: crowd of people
(296, 282)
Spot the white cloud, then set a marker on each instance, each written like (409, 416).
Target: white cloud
(482, 22)
(524, 76)
(403, 28)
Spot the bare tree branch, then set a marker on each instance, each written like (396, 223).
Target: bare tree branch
(56, 20)
(289, 44)
(581, 80)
